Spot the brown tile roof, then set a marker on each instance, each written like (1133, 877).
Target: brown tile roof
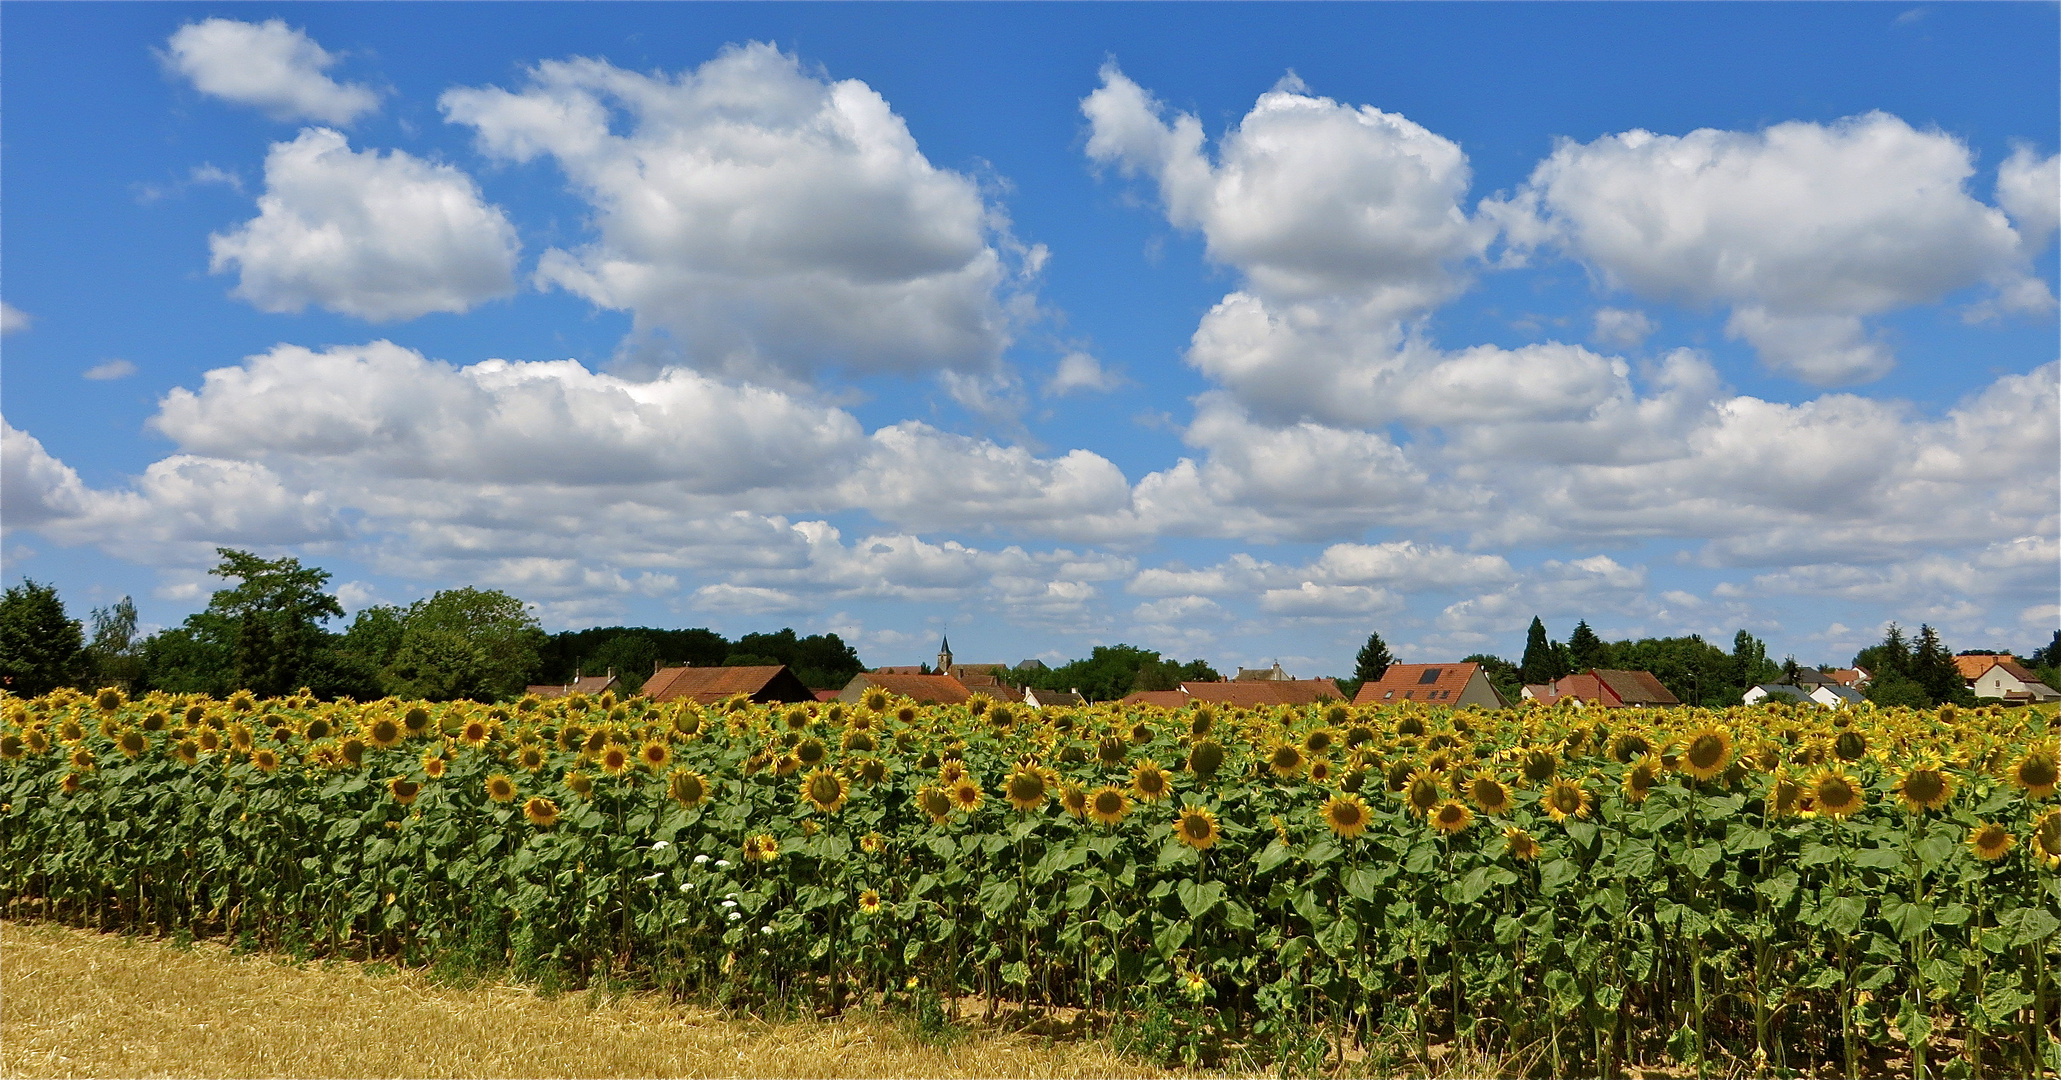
(1976, 665)
(1165, 699)
(2019, 671)
(1417, 682)
(1636, 687)
(1846, 676)
(1580, 686)
(708, 685)
(1256, 694)
(943, 689)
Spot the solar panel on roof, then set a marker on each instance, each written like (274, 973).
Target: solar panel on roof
(1430, 676)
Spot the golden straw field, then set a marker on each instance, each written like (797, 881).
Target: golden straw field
(1577, 892)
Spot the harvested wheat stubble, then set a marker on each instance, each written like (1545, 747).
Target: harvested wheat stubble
(74, 1003)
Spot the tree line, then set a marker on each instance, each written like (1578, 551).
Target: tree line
(265, 632)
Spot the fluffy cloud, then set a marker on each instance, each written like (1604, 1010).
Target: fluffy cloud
(1622, 328)
(269, 66)
(13, 319)
(768, 222)
(1802, 230)
(377, 236)
(110, 370)
(2029, 189)
(1078, 372)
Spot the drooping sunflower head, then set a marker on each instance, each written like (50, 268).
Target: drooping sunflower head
(936, 802)
(1706, 752)
(1346, 815)
(241, 737)
(1489, 793)
(1149, 782)
(859, 741)
(1108, 805)
(1566, 799)
(542, 812)
(688, 788)
(1989, 841)
(869, 771)
(1640, 778)
(1421, 792)
(1851, 745)
(810, 752)
(501, 788)
(615, 760)
(72, 783)
(1025, 788)
(1285, 760)
(1112, 750)
(1925, 786)
(1196, 827)
(1628, 746)
(2046, 837)
(1074, 798)
(1539, 765)
(1450, 816)
(1205, 758)
(1520, 845)
(1317, 741)
(403, 790)
(1834, 792)
(1784, 795)
(132, 743)
(1409, 726)
(655, 755)
(2037, 771)
(351, 749)
(1201, 721)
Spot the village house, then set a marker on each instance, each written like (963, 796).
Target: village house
(1605, 687)
(590, 685)
(1049, 699)
(707, 685)
(1831, 695)
(1253, 688)
(2000, 677)
(1457, 685)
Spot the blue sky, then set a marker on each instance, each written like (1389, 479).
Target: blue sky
(1233, 331)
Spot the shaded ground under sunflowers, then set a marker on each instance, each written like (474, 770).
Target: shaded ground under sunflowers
(1759, 890)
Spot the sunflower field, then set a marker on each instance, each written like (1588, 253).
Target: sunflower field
(1773, 889)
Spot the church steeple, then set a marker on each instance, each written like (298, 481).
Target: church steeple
(944, 656)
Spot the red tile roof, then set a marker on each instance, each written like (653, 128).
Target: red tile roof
(1974, 666)
(1636, 687)
(1257, 694)
(942, 689)
(1165, 699)
(1438, 683)
(708, 685)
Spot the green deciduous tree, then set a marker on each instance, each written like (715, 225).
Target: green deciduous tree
(115, 655)
(40, 646)
(277, 607)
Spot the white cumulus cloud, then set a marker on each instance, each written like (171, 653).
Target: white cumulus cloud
(379, 236)
(762, 222)
(269, 66)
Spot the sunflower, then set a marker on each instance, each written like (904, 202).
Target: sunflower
(1421, 792)
(241, 737)
(1784, 794)
(936, 802)
(433, 763)
(824, 790)
(579, 783)
(416, 720)
(869, 902)
(265, 759)
(1346, 815)
(689, 789)
(1925, 786)
(1196, 827)
(1567, 799)
(36, 739)
(1112, 751)
(1520, 845)
(1320, 770)
(2037, 771)
(859, 741)
(352, 748)
(531, 758)
(1285, 760)
(131, 743)
(1640, 778)
(500, 788)
(1451, 816)
(383, 732)
(786, 765)
(1989, 841)
(1835, 792)
(1025, 788)
(403, 790)
(873, 843)
(1074, 798)
(475, 733)
(1317, 741)
(1539, 766)
(2046, 838)
(764, 847)
(1490, 794)
(1851, 745)
(952, 772)
(966, 795)
(187, 751)
(615, 760)
(1108, 805)
(1205, 758)
(82, 759)
(72, 783)
(1149, 782)
(875, 699)
(542, 812)
(1708, 751)
(810, 752)
(70, 732)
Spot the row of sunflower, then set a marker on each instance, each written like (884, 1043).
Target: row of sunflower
(1768, 888)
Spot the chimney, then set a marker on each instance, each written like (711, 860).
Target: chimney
(655, 665)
